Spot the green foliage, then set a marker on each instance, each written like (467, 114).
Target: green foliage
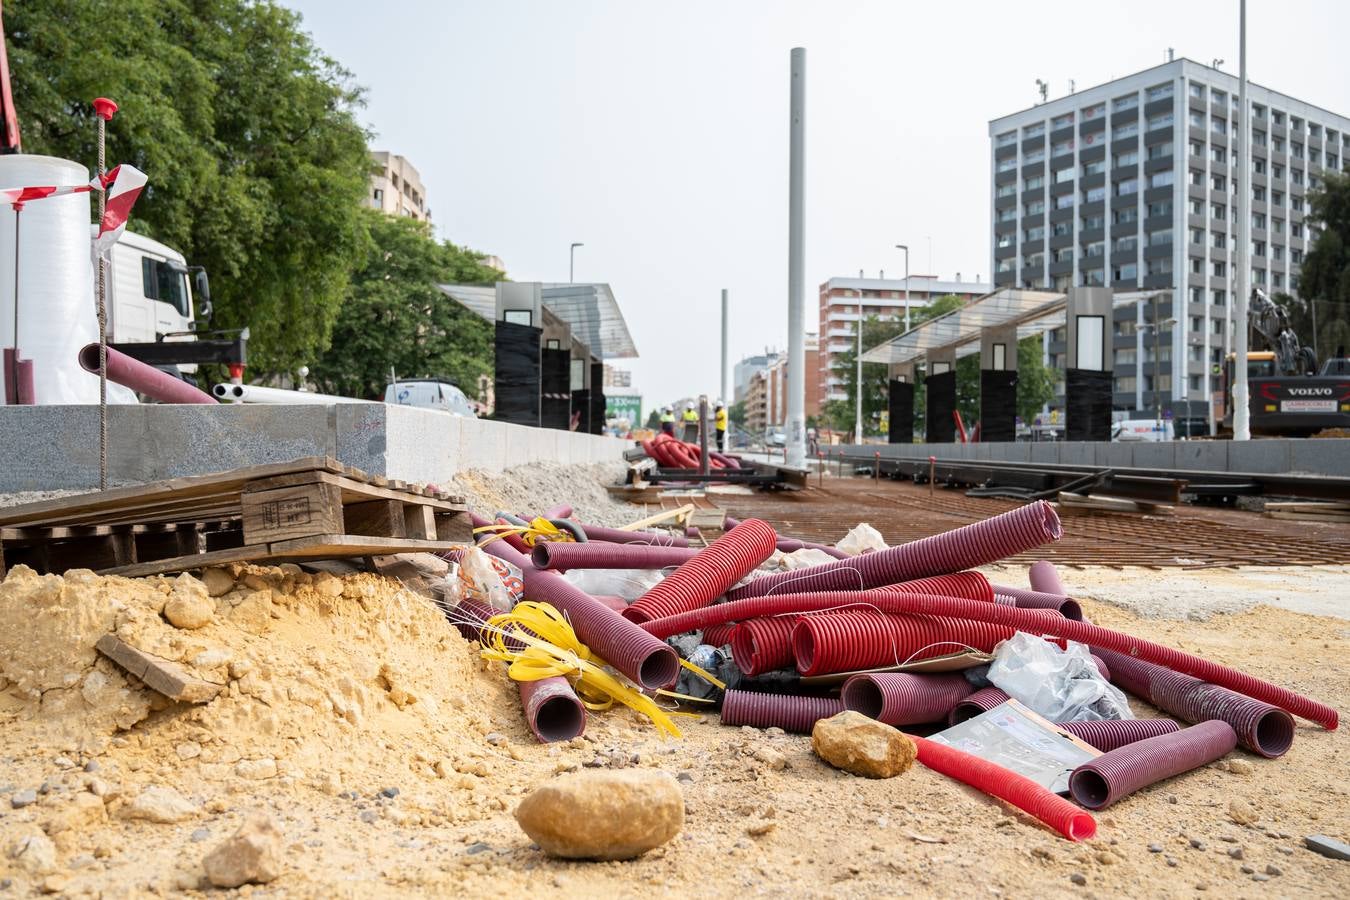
(1325, 278)
(395, 316)
(654, 420)
(257, 167)
(841, 415)
(735, 414)
(1035, 380)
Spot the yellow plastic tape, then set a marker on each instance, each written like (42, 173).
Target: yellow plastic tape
(551, 648)
(538, 528)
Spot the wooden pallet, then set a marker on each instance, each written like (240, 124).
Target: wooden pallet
(310, 508)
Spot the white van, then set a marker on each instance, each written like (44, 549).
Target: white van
(1147, 430)
(430, 395)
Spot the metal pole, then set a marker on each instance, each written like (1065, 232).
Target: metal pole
(796, 430)
(102, 319)
(13, 376)
(1157, 361)
(572, 260)
(857, 378)
(703, 466)
(723, 386)
(1242, 427)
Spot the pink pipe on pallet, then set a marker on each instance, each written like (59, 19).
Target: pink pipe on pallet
(1261, 728)
(789, 544)
(763, 645)
(785, 711)
(142, 378)
(1044, 578)
(1007, 785)
(562, 556)
(899, 698)
(1109, 734)
(1112, 776)
(552, 709)
(974, 545)
(619, 536)
(1022, 598)
(707, 576)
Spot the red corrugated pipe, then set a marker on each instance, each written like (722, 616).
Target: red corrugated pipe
(974, 545)
(552, 709)
(977, 703)
(790, 713)
(1111, 776)
(1044, 577)
(1022, 598)
(618, 604)
(1109, 734)
(853, 640)
(789, 544)
(763, 645)
(1007, 785)
(719, 635)
(958, 585)
(899, 698)
(562, 556)
(707, 576)
(619, 536)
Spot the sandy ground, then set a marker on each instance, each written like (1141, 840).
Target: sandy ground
(339, 690)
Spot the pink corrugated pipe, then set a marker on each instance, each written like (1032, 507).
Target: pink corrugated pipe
(552, 709)
(1022, 598)
(763, 645)
(719, 635)
(975, 704)
(1111, 776)
(899, 698)
(974, 545)
(790, 713)
(1109, 734)
(561, 511)
(562, 556)
(1044, 578)
(853, 640)
(142, 378)
(789, 544)
(619, 536)
(707, 576)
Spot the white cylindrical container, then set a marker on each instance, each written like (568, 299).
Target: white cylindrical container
(56, 312)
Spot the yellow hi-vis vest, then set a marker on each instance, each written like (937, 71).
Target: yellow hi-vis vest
(721, 420)
(690, 416)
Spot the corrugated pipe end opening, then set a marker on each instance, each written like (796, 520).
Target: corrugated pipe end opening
(861, 694)
(1071, 609)
(1050, 519)
(963, 711)
(803, 647)
(1089, 788)
(636, 616)
(743, 650)
(1082, 827)
(560, 719)
(539, 556)
(660, 669)
(89, 358)
(1275, 733)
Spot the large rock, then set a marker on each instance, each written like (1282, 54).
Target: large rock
(603, 814)
(252, 855)
(218, 582)
(158, 804)
(188, 605)
(31, 851)
(863, 746)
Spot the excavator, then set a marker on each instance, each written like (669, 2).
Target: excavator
(1288, 396)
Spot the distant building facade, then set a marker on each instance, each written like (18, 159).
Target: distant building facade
(396, 187)
(766, 392)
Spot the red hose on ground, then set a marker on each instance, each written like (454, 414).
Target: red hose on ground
(1007, 785)
(561, 511)
(853, 640)
(552, 709)
(619, 536)
(1025, 599)
(563, 556)
(789, 544)
(790, 713)
(899, 698)
(1109, 734)
(706, 577)
(719, 635)
(971, 585)
(1112, 776)
(974, 545)
(763, 645)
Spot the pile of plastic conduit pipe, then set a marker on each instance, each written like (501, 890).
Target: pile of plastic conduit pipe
(646, 661)
(1007, 785)
(971, 585)
(763, 645)
(789, 544)
(552, 709)
(707, 576)
(824, 643)
(973, 545)
(1108, 734)
(899, 698)
(1025, 599)
(980, 701)
(1261, 728)
(719, 635)
(788, 712)
(514, 540)
(1102, 781)
(562, 556)
(619, 536)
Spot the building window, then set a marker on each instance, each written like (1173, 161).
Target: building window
(1296, 229)
(1003, 266)
(1096, 167)
(1160, 208)
(1092, 278)
(1063, 175)
(1296, 256)
(1296, 176)
(1035, 207)
(1217, 154)
(1125, 216)
(1197, 119)
(1160, 151)
(1197, 206)
(1218, 297)
(1160, 179)
(1220, 239)
(1277, 198)
(1032, 131)
(1218, 97)
(1258, 248)
(1296, 204)
(1006, 165)
(1129, 101)
(1126, 244)
(1093, 195)
(1198, 177)
(1003, 240)
(1162, 120)
(1125, 384)
(1197, 266)
(1060, 229)
(1197, 295)
(1198, 236)
(1258, 276)
(1034, 261)
(1035, 233)
(1006, 138)
(1096, 248)
(1094, 112)
(1333, 161)
(1277, 226)
(1258, 220)
(1159, 91)
(1125, 357)
(1218, 182)
(1007, 215)
(1160, 266)
(1129, 129)
(1064, 201)
(1034, 183)
(1218, 211)
(1197, 90)
(1124, 327)
(1259, 166)
(1059, 148)
(1259, 194)
(1277, 144)
(1258, 138)
(1126, 272)
(1218, 125)
(1219, 269)
(1128, 158)
(1197, 148)
(1064, 255)
(1158, 238)
(1006, 190)
(1033, 156)
(1126, 187)
(1088, 223)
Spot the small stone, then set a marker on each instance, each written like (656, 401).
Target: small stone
(771, 758)
(477, 847)
(200, 835)
(91, 766)
(686, 778)
(256, 769)
(1197, 843)
(188, 605)
(251, 856)
(1041, 853)
(370, 816)
(862, 746)
(1242, 812)
(1235, 853)
(64, 762)
(1260, 877)
(1202, 886)
(760, 827)
(390, 792)
(626, 813)
(1172, 799)
(1171, 862)
(328, 585)
(1247, 870)
(54, 884)
(1287, 851)
(188, 750)
(1105, 859)
(158, 804)
(496, 739)
(20, 799)
(1155, 848)
(218, 582)
(1078, 878)
(1272, 869)
(1240, 767)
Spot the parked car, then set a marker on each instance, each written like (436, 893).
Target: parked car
(440, 395)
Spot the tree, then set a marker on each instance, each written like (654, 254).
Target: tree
(1035, 380)
(736, 414)
(654, 421)
(257, 166)
(841, 414)
(1325, 277)
(394, 316)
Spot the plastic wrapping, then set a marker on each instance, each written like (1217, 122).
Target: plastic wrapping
(998, 405)
(1061, 685)
(628, 584)
(1087, 406)
(555, 399)
(861, 538)
(489, 581)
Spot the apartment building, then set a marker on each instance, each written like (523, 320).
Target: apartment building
(880, 297)
(396, 187)
(1133, 184)
(766, 388)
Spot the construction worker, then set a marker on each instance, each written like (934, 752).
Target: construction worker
(720, 423)
(690, 419)
(668, 421)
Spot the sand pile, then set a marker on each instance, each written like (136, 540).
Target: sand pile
(536, 487)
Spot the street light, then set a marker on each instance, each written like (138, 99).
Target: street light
(906, 249)
(572, 260)
(857, 382)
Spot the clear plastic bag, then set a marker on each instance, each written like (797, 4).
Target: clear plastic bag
(629, 584)
(490, 580)
(862, 539)
(1061, 685)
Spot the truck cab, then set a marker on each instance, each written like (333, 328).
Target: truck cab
(150, 293)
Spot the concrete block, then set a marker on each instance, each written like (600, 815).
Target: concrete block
(1203, 456)
(1113, 454)
(1329, 456)
(1046, 452)
(48, 448)
(1162, 455)
(1077, 453)
(1271, 456)
(361, 435)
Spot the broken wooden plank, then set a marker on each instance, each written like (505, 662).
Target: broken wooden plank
(162, 675)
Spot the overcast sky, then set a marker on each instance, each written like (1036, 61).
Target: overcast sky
(657, 133)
